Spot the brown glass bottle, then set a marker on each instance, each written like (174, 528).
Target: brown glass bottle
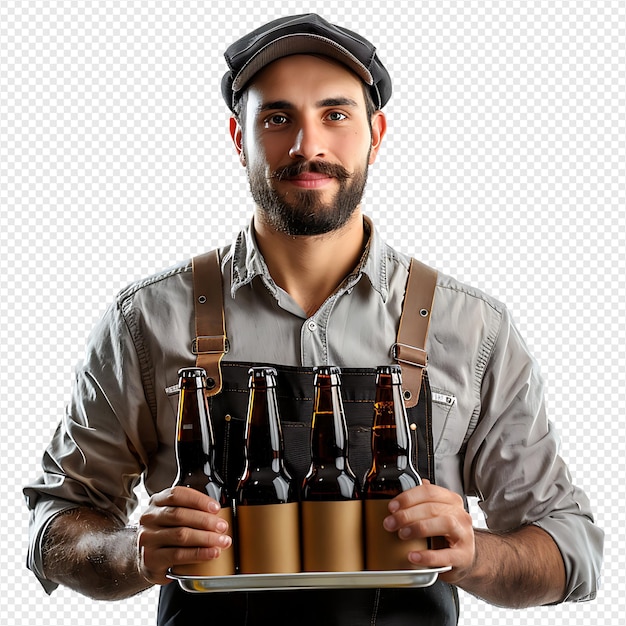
(195, 456)
(392, 472)
(268, 521)
(332, 515)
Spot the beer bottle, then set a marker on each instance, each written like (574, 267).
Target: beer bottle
(195, 456)
(392, 472)
(332, 516)
(267, 504)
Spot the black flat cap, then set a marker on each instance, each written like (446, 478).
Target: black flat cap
(303, 34)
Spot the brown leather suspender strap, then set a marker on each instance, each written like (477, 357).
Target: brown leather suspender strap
(209, 344)
(410, 349)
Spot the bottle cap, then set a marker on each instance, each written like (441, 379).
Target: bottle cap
(328, 370)
(191, 372)
(394, 370)
(263, 373)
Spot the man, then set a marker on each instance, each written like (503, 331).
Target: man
(310, 282)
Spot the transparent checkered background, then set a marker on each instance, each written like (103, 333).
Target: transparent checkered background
(503, 166)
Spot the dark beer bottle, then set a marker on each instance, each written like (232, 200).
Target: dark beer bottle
(392, 472)
(267, 504)
(195, 456)
(332, 516)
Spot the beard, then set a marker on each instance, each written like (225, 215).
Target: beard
(303, 212)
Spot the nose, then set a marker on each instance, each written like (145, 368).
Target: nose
(308, 143)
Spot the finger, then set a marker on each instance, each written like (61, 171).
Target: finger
(185, 497)
(155, 564)
(423, 528)
(426, 492)
(413, 515)
(435, 558)
(178, 516)
(183, 537)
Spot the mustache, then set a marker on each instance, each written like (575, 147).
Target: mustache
(333, 170)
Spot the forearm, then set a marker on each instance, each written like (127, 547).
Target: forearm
(92, 554)
(518, 569)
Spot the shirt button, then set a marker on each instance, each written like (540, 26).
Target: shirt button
(312, 325)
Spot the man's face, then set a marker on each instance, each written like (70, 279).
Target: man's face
(307, 144)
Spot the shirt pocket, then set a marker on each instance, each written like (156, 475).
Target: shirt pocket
(445, 415)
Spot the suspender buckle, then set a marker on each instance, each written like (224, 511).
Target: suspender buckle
(209, 344)
(403, 353)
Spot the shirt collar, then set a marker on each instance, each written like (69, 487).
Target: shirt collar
(248, 262)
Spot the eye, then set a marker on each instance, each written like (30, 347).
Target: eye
(276, 119)
(337, 116)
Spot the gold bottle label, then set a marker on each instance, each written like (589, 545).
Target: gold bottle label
(332, 536)
(384, 550)
(224, 565)
(269, 538)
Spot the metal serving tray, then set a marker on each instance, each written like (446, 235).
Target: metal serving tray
(309, 580)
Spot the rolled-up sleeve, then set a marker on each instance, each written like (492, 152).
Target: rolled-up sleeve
(512, 464)
(100, 430)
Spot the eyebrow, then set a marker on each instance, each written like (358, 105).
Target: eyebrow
(285, 105)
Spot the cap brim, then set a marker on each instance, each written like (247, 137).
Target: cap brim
(300, 43)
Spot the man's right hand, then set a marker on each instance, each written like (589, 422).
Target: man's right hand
(179, 527)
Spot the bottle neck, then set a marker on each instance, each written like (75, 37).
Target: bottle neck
(264, 445)
(329, 437)
(391, 441)
(193, 421)
(194, 441)
(264, 479)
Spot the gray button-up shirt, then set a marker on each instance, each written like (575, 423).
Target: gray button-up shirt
(492, 438)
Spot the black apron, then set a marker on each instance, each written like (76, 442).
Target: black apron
(436, 605)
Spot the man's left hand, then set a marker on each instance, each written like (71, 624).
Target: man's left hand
(438, 513)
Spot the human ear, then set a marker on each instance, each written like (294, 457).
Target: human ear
(379, 128)
(236, 134)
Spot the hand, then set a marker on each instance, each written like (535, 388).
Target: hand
(432, 511)
(180, 526)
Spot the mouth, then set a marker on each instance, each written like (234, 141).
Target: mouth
(311, 175)
(310, 180)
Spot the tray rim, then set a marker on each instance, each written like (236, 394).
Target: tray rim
(412, 578)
